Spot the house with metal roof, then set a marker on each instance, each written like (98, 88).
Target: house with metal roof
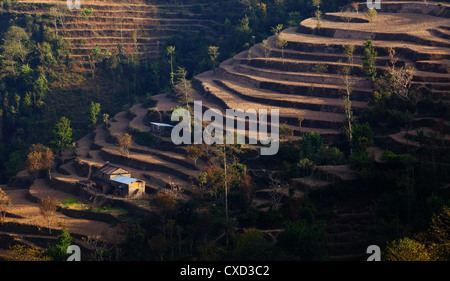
(127, 186)
(161, 129)
(105, 173)
(108, 171)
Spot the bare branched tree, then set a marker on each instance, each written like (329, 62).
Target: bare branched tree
(400, 78)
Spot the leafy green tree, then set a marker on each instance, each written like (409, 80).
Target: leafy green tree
(318, 12)
(41, 87)
(310, 145)
(58, 252)
(170, 52)
(16, 44)
(348, 83)
(94, 111)
(15, 48)
(362, 136)
(93, 59)
(183, 87)
(62, 135)
(369, 57)
(213, 52)
(371, 14)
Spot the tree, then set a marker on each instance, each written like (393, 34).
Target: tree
(310, 145)
(362, 136)
(406, 249)
(194, 152)
(369, 57)
(14, 50)
(62, 135)
(213, 52)
(400, 79)
(94, 111)
(318, 13)
(105, 119)
(170, 52)
(277, 29)
(307, 166)
(183, 88)
(16, 44)
(224, 172)
(279, 42)
(266, 49)
(300, 119)
(39, 158)
(47, 209)
(348, 83)
(124, 144)
(371, 14)
(58, 252)
(93, 59)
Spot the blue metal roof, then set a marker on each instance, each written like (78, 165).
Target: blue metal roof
(124, 179)
(161, 124)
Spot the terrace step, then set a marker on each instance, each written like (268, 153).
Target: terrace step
(314, 119)
(311, 42)
(290, 88)
(282, 100)
(343, 30)
(305, 77)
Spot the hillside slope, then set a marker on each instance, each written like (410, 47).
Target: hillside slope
(138, 26)
(288, 79)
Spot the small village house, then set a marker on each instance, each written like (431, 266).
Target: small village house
(108, 171)
(105, 173)
(127, 186)
(161, 129)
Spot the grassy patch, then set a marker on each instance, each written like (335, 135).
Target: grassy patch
(106, 209)
(73, 203)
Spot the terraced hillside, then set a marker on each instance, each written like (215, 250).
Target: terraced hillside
(139, 26)
(288, 79)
